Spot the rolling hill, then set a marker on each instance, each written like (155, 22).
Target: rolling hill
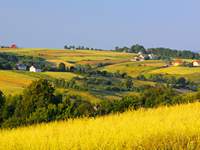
(162, 128)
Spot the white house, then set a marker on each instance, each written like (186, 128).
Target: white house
(152, 56)
(196, 63)
(34, 69)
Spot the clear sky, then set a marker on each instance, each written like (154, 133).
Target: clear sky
(101, 23)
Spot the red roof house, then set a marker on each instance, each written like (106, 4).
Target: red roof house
(13, 46)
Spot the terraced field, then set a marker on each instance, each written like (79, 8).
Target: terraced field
(175, 128)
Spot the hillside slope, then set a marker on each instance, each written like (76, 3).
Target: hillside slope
(175, 127)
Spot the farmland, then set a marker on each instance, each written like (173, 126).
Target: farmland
(163, 128)
(69, 56)
(102, 83)
(13, 82)
(135, 68)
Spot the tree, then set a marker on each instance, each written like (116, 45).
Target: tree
(66, 47)
(62, 67)
(159, 95)
(2, 102)
(129, 83)
(137, 48)
(182, 82)
(37, 95)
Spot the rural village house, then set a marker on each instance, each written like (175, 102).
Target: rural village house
(13, 46)
(34, 69)
(196, 63)
(138, 58)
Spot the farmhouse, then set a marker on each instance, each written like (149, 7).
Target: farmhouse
(196, 63)
(138, 58)
(34, 69)
(21, 67)
(152, 56)
(13, 46)
(177, 62)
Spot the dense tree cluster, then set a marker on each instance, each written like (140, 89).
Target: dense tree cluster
(166, 52)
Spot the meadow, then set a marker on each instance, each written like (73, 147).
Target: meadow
(135, 68)
(69, 56)
(175, 128)
(192, 74)
(13, 82)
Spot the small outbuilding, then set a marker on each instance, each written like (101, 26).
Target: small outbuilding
(196, 63)
(13, 46)
(34, 69)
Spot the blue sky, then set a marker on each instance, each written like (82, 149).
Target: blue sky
(101, 23)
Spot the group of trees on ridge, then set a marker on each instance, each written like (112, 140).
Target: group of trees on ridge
(162, 53)
(73, 47)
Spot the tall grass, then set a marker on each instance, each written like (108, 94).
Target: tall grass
(176, 127)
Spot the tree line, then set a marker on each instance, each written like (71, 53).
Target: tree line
(73, 47)
(162, 53)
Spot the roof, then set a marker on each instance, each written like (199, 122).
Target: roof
(198, 61)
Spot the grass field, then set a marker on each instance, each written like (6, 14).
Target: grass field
(66, 56)
(192, 74)
(13, 82)
(135, 68)
(175, 128)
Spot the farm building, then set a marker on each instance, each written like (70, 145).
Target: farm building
(177, 62)
(152, 56)
(21, 67)
(34, 69)
(196, 63)
(13, 46)
(138, 58)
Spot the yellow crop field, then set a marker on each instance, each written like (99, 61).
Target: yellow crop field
(192, 74)
(135, 68)
(13, 82)
(58, 75)
(177, 70)
(57, 56)
(175, 128)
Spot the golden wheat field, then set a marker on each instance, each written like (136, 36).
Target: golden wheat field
(175, 127)
(13, 82)
(57, 56)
